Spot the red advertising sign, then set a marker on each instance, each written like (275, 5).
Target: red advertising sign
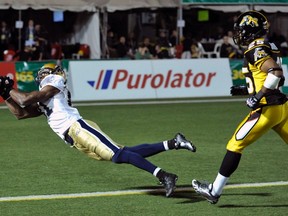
(8, 69)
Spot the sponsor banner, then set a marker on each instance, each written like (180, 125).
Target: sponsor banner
(192, 78)
(8, 69)
(238, 77)
(26, 73)
(143, 79)
(285, 71)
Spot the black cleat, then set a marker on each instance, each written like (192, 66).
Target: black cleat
(182, 143)
(169, 182)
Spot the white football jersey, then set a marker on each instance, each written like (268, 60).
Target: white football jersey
(60, 115)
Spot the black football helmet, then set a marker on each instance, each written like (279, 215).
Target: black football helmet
(48, 69)
(249, 26)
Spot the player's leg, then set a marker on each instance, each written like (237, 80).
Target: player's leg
(88, 138)
(96, 143)
(135, 159)
(178, 142)
(249, 130)
(282, 127)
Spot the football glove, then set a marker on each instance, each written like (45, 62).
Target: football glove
(253, 101)
(6, 85)
(238, 90)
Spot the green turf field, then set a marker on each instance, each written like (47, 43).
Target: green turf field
(34, 161)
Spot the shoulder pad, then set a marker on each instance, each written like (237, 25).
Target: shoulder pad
(257, 53)
(257, 42)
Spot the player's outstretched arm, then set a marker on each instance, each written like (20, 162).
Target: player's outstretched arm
(26, 99)
(22, 112)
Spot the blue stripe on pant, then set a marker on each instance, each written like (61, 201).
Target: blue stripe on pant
(99, 135)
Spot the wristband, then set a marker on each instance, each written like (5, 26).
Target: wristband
(259, 95)
(271, 81)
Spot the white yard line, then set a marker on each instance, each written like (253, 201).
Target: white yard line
(128, 192)
(224, 100)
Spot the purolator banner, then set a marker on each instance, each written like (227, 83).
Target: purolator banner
(149, 79)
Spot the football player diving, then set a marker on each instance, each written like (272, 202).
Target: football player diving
(54, 101)
(269, 106)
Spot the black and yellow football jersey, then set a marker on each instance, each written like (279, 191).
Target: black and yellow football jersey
(272, 112)
(256, 54)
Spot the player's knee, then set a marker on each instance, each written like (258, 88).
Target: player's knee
(121, 156)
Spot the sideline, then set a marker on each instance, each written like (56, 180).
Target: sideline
(116, 103)
(224, 100)
(129, 192)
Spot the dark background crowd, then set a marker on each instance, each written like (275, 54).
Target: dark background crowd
(154, 36)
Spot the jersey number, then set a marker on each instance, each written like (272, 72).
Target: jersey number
(48, 111)
(250, 86)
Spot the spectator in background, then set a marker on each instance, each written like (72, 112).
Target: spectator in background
(228, 39)
(30, 33)
(161, 52)
(111, 44)
(173, 38)
(40, 44)
(187, 43)
(37, 51)
(195, 51)
(147, 43)
(143, 52)
(163, 40)
(24, 54)
(123, 51)
(227, 50)
(238, 50)
(281, 42)
(132, 42)
(5, 37)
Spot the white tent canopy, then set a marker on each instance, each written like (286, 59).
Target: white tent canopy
(113, 5)
(86, 5)
(89, 31)
(70, 5)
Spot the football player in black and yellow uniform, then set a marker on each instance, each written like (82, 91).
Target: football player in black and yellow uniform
(269, 106)
(53, 100)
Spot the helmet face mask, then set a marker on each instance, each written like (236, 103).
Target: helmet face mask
(59, 71)
(48, 69)
(250, 26)
(42, 73)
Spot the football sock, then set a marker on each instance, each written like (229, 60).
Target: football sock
(157, 172)
(219, 184)
(146, 150)
(171, 144)
(124, 156)
(160, 174)
(230, 163)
